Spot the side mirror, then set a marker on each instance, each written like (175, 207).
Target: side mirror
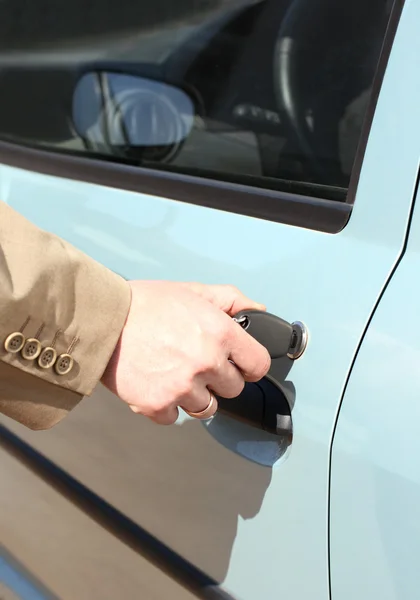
(114, 112)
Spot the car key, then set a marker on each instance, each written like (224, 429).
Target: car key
(277, 335)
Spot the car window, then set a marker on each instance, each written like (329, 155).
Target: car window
(270, 93)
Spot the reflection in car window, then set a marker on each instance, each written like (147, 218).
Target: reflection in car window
(270, 93)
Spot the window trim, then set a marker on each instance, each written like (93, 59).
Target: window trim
(384, 55)
(298, 210)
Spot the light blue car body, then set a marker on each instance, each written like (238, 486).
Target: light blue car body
(337, 514)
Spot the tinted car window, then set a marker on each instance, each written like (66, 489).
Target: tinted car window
(270, 93)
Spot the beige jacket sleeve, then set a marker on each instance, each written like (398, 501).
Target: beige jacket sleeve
(61, 315)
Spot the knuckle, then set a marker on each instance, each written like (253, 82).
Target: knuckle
(164, 419)
(208, 363)
(261, 367)
(265, 364)
(220, 332)
(232, 289)
(186, 385)
(240, 387)
(235, 390)
(156, 411)
(214, 362)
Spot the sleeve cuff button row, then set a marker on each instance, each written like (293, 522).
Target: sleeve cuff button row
(31, 349)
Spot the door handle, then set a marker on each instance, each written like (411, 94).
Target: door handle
(264, 404)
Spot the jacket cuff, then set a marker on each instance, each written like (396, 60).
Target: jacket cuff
(69, 341)
(61, 316)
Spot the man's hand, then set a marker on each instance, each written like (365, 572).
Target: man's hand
(179, 342)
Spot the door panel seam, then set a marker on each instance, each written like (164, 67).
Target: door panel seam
(353, 362)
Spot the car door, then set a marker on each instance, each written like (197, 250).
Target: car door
(374, 466)
(267, 145)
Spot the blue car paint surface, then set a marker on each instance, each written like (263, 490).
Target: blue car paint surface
(332, 283)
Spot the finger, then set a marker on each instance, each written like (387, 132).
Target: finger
(198, 400)
(228, 382)
(249, 356)
(226, 297)
(166, 416)
(207, 412)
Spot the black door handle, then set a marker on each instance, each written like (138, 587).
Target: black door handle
(264, 404)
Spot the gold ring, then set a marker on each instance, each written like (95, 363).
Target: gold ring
(207, 412)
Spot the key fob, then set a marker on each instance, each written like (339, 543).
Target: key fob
(277, 335)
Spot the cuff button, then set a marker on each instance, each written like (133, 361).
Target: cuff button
(14, 342)
(32, 349)
(47, 357)
(64, 364)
